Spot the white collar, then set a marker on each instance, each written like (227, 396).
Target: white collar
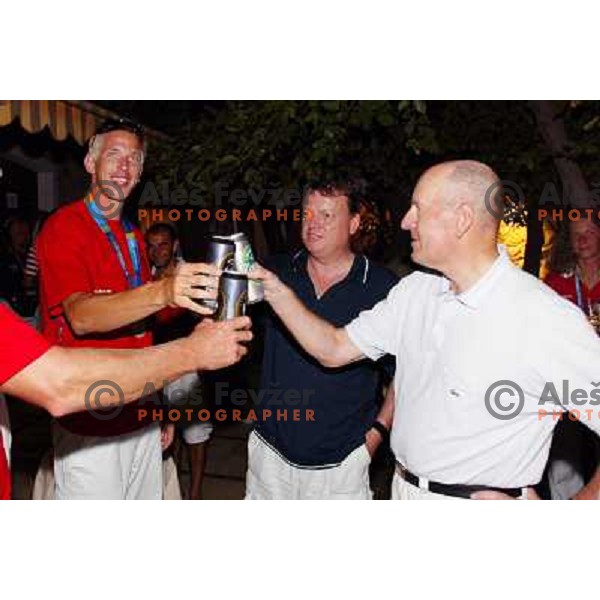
(474, 296)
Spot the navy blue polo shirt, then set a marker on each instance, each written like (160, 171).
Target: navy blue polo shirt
(343, 400)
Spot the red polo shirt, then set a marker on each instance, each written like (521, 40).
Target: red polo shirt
(20, 345)
(76, 256)
(565, 286)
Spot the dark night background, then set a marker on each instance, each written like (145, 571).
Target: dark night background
(282, 145)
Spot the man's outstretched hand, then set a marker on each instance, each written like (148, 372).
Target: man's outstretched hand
(274, 288)
(216, 345)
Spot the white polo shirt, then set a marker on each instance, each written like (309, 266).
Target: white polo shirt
(451, 348)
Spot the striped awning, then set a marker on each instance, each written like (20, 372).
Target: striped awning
(64, 118)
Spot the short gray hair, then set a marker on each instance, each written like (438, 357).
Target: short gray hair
(97, 141)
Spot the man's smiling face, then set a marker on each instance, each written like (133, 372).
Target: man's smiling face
(118, 164)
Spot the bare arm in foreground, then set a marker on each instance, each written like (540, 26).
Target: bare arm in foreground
(59, 379)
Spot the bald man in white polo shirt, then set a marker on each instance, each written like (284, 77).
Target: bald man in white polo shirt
(477, 347)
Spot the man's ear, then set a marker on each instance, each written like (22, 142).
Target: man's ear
(354, 224)
(465, 217)
(90, 164)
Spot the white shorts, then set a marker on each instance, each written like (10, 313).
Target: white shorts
(402, 490)
(125, 467)
(194, 432)
(270, 477)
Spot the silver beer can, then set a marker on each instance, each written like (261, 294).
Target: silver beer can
(233, 296)
(244, 261)
(220, 251)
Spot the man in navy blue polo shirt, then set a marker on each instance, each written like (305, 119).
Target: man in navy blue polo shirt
(326, 453)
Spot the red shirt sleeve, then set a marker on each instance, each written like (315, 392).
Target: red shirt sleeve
(20, 344)
(561, 285)
(61, 249)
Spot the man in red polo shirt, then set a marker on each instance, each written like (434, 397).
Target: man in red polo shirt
(60, 379)
(96, 291)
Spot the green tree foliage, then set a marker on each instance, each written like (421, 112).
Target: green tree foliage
(284, 144)
(273, 144)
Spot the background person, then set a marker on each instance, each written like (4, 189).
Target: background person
(575, 452)
(12, 267)
(171, 323)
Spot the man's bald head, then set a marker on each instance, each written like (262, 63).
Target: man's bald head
(448, 218)
(467, 181)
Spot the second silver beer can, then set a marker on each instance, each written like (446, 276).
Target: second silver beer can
(244, 261)
(233, 296)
